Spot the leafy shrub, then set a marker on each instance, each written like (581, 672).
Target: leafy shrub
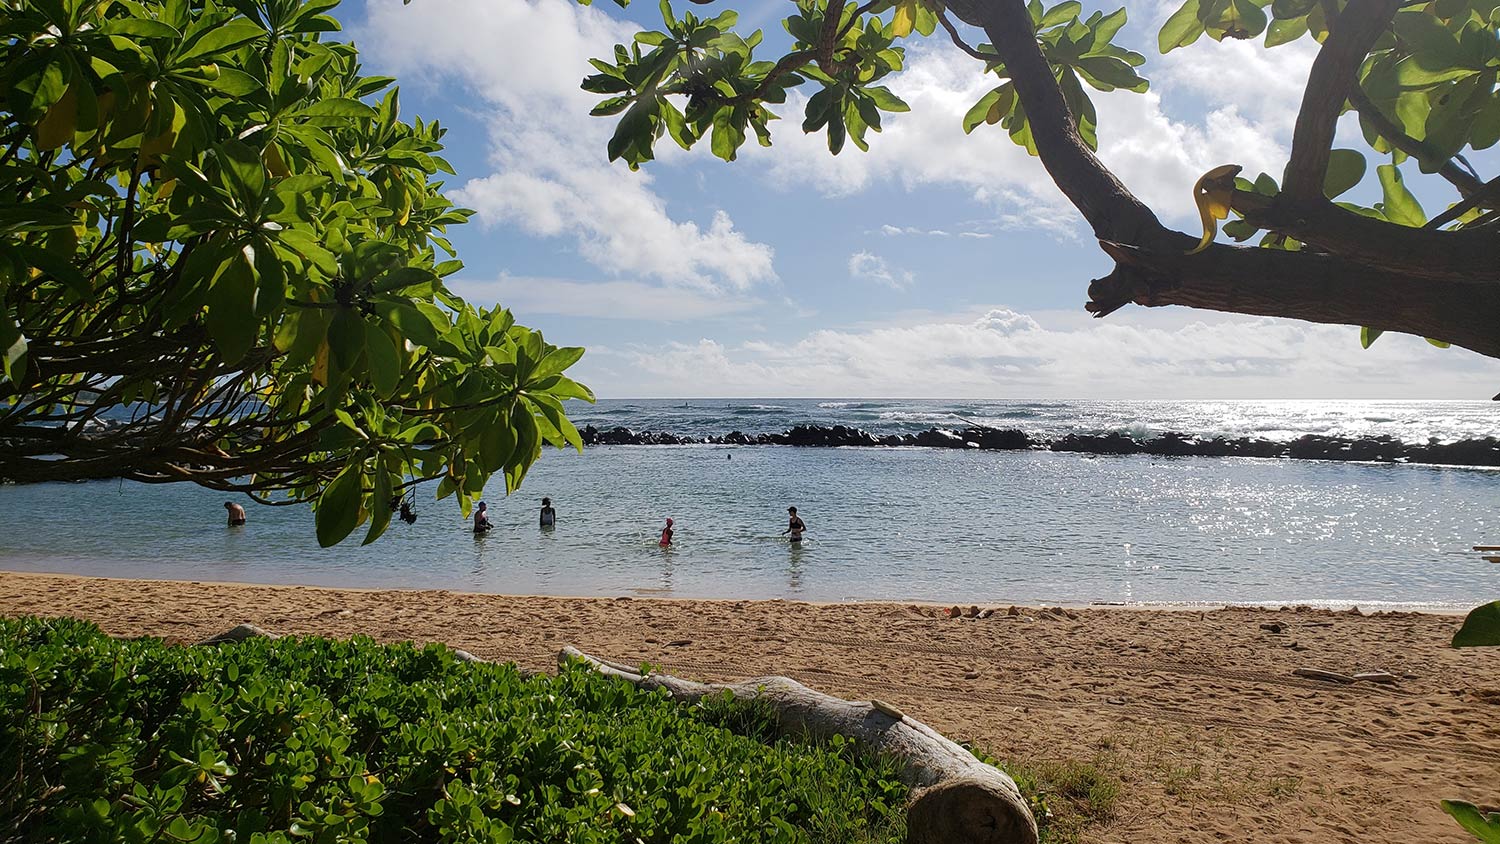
(332, 741)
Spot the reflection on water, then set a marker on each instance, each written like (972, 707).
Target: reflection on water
(883, 523)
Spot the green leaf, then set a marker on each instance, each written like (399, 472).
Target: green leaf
(231, 306)
(1441, 344)
(1400, 206)
(1061, 13)
(338, 107)
(380, 509)
(243, 170)
(1107, 73)
(384, 360)
(1181, 29)
(567, 388)
(1346, 167)
(1368, 335)
(216, 40)
(1484, 827)
(306, 245)
(139, 28)
(980, 111)
(235, 83)
(338, 508)
(1285, 31)
(885, 100)
(1425, 72)
(346, 338)
(1481, 628)
(555, 362)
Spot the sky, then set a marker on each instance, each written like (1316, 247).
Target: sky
(936, 265)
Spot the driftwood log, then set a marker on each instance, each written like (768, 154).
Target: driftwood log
(956, 799)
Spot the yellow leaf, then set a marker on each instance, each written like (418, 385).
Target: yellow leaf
(56, 128)
(905, 19)
(320, 365)
(274, 162)
(1213, 193)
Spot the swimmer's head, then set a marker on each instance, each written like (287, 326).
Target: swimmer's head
(546, 502)
(792, 510)
(228, 504)
(669, 522)
(483, 505)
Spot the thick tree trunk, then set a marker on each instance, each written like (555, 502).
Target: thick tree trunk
(956, 798)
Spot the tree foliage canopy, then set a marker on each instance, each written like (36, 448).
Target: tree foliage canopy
(1420, 75)
(222, 260)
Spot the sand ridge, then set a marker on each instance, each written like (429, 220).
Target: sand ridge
(1199, 712)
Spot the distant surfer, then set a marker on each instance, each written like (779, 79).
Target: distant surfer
(794, 525)
(666, 535)
(549, 515)
(236, 514)
(482, 519)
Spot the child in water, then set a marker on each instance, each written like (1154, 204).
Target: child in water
(666, 534)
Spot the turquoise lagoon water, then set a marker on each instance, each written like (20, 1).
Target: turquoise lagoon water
(900, 524)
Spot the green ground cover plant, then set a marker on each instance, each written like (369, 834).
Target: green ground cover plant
(314, 740)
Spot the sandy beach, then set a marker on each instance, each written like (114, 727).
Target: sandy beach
(1199, 713)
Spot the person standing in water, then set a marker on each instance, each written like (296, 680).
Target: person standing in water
(236, 514)
(794, 525)
(666, 535)
(549, 515)
(482, 518)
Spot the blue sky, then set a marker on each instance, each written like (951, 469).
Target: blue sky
(936, 265)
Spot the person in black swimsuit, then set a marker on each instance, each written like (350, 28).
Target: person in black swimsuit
(794, 525)
(236, 514)
(549, 515)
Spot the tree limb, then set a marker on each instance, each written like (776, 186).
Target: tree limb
(1307, 286)
(956, 799)
(1111, 209)
(1466, 182)
(1333, 77)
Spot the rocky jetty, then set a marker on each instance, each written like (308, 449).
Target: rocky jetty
(1480, 452)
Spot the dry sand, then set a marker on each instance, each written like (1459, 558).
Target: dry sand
(1198, 712)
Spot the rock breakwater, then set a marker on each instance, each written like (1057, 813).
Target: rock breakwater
(1380, 449)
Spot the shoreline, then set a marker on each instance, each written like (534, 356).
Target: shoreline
(1370, 608)
(1200, 714)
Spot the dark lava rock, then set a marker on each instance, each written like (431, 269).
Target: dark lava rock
(998, 439)
(938, 438)
(1115, 443)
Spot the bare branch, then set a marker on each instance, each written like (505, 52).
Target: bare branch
(959, 42)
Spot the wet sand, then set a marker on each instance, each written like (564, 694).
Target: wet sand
(1199, 713)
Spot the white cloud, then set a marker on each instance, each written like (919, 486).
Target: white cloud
(868, 266)
(1002, 353)
(627, 300)
(524, 59)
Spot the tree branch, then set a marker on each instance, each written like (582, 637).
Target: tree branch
(1420, 253)
(1466, 182)
(1334, 75)
(1111, 209)
(1307, 286)
(959, 42)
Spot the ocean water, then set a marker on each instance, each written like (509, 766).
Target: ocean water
(899, 524)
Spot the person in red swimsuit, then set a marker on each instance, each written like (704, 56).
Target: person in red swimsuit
(666, 534)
